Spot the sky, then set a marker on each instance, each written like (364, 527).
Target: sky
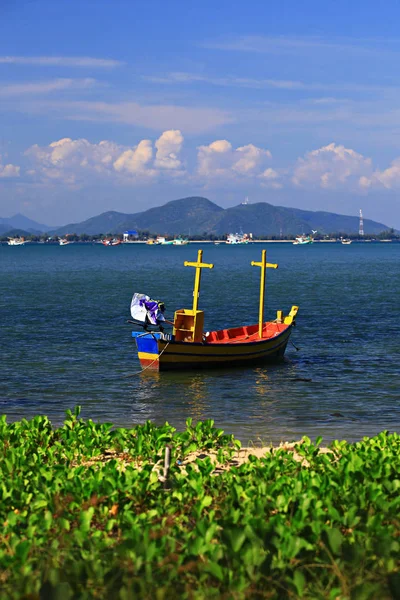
(126, 105)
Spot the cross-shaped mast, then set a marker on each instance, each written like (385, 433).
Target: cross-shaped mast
(198, 265)
(264, 265)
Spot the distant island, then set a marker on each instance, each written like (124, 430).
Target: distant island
(198, 217)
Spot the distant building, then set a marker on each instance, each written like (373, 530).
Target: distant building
(361, 226)
(130, 236)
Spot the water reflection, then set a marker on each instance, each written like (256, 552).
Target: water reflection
(198, 398)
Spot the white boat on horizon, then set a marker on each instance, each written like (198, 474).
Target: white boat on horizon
(180, 241)
(238, 238)
(163, 242)
(303, 239)
(16, 241)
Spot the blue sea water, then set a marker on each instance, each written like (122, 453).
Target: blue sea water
(64, 339)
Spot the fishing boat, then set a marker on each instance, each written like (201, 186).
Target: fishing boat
(238, 238)
(346, 242)
(180, 241)
(16, 241)
(162, 241)
(190, 347)
(64, 241)
(113, 242)
(303, 239)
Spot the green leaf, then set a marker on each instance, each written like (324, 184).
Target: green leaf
(335, 539)
(299, 582)
(85, 519)
(236, 538)
(215, 569)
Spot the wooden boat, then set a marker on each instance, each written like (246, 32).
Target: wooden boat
(301, 240)
(189, 347)
(180, 241)
(114, 242)
(16, 241)
(237, 238)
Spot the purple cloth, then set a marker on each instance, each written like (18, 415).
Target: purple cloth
(153, 312)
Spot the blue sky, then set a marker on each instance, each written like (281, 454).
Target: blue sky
(127, 105)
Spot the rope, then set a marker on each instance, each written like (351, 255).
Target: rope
(148, 366)
(295, 347)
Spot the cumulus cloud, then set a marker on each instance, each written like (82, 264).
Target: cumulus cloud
(136, 160)
(8, 170)
(219, 160)
(330, 167)
(169, 145)
(388, 178)
(76, 161)
(269, 178)
(79, 162)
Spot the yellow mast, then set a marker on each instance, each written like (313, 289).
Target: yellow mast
(198, 265)
(264, 265)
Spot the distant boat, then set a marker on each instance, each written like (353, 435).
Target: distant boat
(64, 242)
(303, 239)
(163, 242)
(180, 241)
(346, 242)
(16, 241)
(113, 242)
(238, 238)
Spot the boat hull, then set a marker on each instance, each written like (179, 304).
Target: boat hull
(161, 352)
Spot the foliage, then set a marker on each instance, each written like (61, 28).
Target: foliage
(85, 514)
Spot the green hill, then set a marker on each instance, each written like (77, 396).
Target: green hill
(197, 215)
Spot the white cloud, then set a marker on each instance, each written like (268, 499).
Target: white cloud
(79, 162)
(8, 170)
(330, 167)
(76, 162)
(269, 178)
(182, 77)
(388, 178)
(158, 117)
(169, 145)
(61, 61)
(219, 160)
(45, 87)
(308, 45)
(135, 161)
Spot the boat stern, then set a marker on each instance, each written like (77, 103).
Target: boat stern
(151, 345)
(148, 350)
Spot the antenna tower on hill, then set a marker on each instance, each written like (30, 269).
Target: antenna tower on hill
(361, 227)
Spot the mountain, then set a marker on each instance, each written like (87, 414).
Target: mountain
(187, 215)
(19, 221)
(197, 215)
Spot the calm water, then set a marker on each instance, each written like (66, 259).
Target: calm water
(64, 339)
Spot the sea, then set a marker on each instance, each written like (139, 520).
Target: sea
(65, 340)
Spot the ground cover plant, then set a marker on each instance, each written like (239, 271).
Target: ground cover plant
(86, 512)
